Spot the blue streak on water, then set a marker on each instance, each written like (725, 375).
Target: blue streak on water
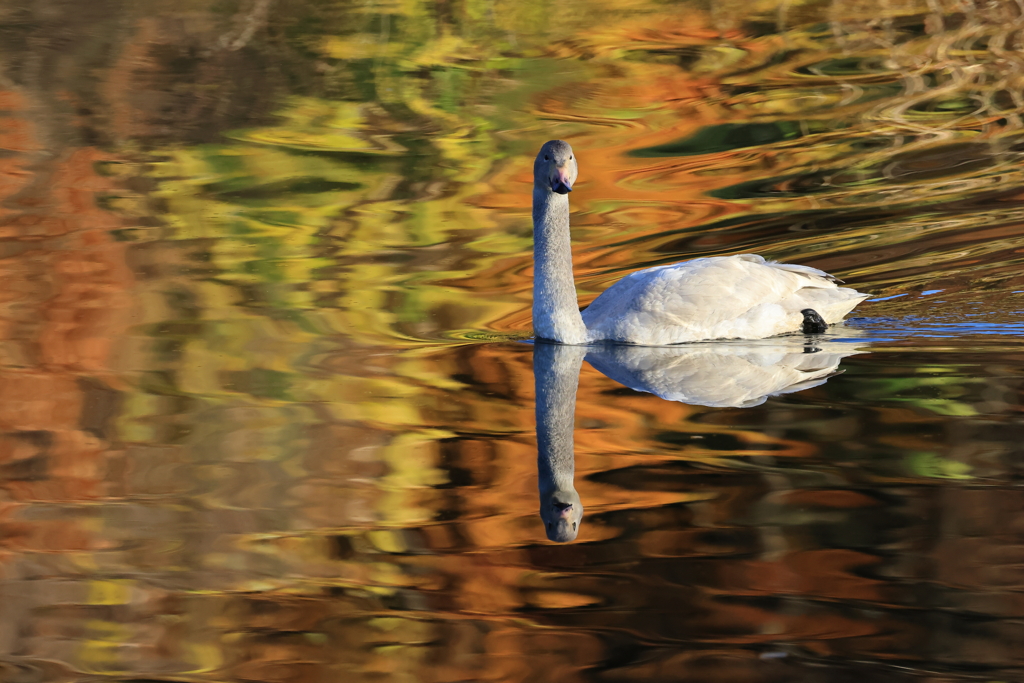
(915, 326)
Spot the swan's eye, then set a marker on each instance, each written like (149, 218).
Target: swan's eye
(574, 526)
(570, 157)
(545, 157)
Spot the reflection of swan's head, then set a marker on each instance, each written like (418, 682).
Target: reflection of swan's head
(562, 513)
(555, 168)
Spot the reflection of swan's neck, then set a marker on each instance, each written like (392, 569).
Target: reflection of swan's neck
(556, 370)
(557, 375)
(556, 313)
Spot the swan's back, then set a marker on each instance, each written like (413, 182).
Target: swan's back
(720, 297)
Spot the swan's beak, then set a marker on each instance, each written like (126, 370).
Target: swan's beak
(561, 183)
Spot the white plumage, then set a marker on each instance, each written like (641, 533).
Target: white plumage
(721, 297)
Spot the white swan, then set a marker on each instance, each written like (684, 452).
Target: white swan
(720, 297)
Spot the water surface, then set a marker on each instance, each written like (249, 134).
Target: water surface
(266, 408)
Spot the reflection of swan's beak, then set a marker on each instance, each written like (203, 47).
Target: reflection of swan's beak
(562, 515)
(561, 183)
(564, 509)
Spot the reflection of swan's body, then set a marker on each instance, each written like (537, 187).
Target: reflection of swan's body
(720, 297)
(730, 374)
(727, 374)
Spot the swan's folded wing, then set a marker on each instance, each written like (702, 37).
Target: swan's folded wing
(722, 297)
(814, 274)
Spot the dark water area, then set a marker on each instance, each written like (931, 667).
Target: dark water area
(270, 411)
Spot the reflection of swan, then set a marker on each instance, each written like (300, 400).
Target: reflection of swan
(726, 374)
(720, 297)
(736, 374)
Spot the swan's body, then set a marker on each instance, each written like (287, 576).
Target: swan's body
(722, 297)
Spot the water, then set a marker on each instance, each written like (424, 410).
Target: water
(267, 411)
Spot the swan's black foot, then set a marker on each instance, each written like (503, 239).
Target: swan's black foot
(813, 323)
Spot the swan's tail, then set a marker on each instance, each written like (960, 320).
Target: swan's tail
(812, 273)
(834, 304)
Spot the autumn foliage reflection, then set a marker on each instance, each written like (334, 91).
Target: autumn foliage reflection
(264, 419)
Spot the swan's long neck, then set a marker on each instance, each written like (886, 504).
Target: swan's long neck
(556, 372)
(556, 313)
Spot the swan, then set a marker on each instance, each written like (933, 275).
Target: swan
(718, 297)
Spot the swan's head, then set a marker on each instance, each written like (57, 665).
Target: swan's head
(562, 513)
(555, 167)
